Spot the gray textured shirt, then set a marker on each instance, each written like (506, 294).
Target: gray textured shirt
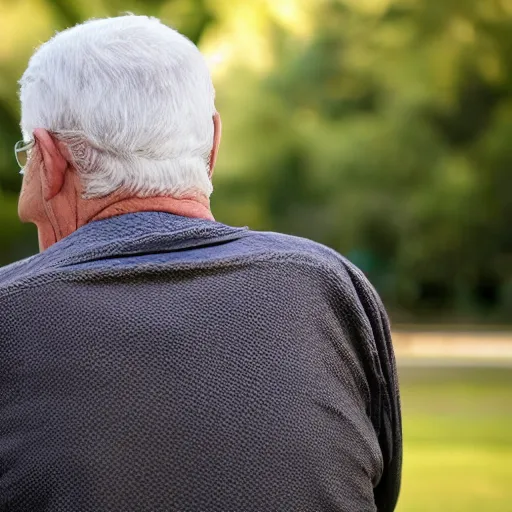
(151, 362)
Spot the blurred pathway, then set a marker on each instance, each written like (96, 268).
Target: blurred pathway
(444, 348)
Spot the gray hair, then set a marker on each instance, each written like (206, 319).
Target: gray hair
(133, 100)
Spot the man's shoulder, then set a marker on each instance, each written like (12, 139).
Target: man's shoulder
(302, 253)
(306, 253)
(9, 274)
(30, 269)
(278, 245)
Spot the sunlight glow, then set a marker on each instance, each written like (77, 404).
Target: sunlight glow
(369, 6)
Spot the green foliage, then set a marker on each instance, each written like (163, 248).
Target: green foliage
(381, 130)
(388, 142)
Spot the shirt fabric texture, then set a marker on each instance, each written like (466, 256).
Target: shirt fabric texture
(151, 362)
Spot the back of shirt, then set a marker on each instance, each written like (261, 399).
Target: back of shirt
(262, 383)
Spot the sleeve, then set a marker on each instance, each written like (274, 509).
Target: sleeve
(387, 420)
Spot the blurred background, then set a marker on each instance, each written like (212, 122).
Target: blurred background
(383, 129)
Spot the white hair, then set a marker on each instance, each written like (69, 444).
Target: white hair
(132, 98)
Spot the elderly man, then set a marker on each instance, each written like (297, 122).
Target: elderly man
(152, 359)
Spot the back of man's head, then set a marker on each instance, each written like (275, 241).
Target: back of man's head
(133, 100)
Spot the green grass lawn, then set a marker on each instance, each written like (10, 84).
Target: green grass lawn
(457, 426)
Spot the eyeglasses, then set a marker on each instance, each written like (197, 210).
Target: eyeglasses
(22, 152)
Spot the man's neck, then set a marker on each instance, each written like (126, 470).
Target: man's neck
(69, 216)
(195, 208)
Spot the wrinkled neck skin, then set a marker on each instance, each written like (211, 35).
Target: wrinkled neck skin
(67, 213)
(196, 208)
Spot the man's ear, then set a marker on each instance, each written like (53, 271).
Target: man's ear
(217, 132)
(54, 165)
